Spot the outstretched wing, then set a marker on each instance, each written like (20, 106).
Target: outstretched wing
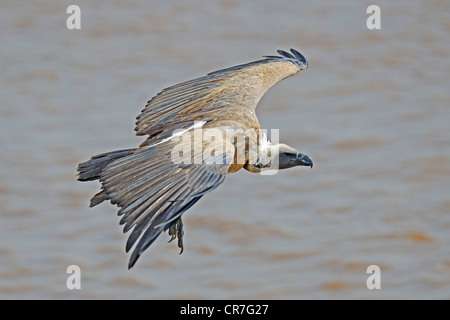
(152, 190)
(237, 88)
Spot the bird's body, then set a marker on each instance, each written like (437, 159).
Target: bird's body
(198, 132)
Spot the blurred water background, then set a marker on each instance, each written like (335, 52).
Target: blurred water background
(373, 111)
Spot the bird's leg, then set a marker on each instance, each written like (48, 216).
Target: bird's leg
(180, 234)
(176, 231)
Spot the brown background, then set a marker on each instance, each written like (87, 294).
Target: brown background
(372, 111)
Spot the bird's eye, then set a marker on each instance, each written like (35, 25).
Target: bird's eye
(290, 154)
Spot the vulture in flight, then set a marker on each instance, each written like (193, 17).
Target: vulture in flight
(197, 132)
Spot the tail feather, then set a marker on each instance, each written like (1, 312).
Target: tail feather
(91, 169)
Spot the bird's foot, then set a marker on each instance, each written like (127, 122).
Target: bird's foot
(176, 231)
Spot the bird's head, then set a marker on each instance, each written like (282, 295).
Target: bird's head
(290, 157)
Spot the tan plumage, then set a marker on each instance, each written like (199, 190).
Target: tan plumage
(151, 190)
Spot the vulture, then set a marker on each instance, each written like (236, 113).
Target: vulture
(197, 132)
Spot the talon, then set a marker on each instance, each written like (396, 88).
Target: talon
(180, 234)
(180, 245)
(176, 232)
(172, 232)
(172, 238)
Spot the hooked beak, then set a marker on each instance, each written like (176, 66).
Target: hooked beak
(304, 160)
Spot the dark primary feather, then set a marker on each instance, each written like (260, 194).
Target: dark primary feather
(299, 56)
(285, 54)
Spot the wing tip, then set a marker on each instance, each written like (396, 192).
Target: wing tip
(132, 262)
(295, 56)
(299, 56)
(134, 256)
